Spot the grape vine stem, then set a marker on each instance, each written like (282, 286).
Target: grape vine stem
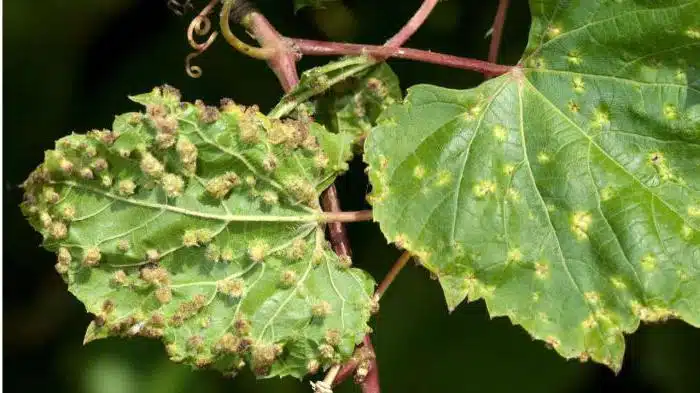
(498, 23)
(281, 54)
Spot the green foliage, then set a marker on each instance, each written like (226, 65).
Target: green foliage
(565, 193)
(353, 106)
(202, 227)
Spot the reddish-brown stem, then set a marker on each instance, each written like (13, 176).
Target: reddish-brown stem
(324, 48)
(346, 371)
(371, 381)
(336, 230)
(284, 61)
(389, 278)
(497, 33)
(412, 25)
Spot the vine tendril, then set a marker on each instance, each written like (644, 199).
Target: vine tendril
(200, 26)
(252, 51)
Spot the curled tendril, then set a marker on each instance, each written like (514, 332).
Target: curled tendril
(200, 26)
(193, 71)
(252, 51)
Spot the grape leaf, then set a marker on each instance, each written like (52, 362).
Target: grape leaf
(202, 227)
(347, 96)
(354, 105)
(566, 193)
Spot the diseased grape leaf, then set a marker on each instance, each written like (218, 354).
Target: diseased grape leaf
(354, 105)
(566, 193)
(202, 227)
(347, 96)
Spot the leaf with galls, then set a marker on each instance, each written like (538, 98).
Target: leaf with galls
(566, 193)
(202, 227)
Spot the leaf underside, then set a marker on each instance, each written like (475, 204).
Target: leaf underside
(354, 105)
(566, 193)
(201, 226)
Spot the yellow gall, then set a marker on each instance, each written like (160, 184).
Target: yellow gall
(333, 337)
(250, 181)
(92, 256)
(321, 160)
(321, 309)
(270, 198)
(212, 253)
(228, 343)
(484, 188)
(345, 261)
(86, 173)
(233, 287)
(123, 245)
(262, 357)
(542, 270)
(288, 278)
(297, 249)
(499, 132)
(648, 262)
(164, 295)
(66, 166)
(580, 223)
(68, 212)
(151, 166)
(257, 250)
(552, 342)
(419, 171)
(90, 151)
(58, 230)
(173, 185)
(218, 187)
(50, 195)
(106, 180)
(269, 163)
(64, 257)
(155, 275)
(195, 343)
(303, 191)
(327, 352)
(514, 255)
(189, 238)
(120, 278)
(152, 256)
(592, 297)
(310, 143)
(204, 236)
(126, 187)
(188, 155)
(227, 254)
(99, 164)
(312, 366)
(45, 219)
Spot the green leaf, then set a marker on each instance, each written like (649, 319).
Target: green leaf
(318, 80)
(202, 227)
(354, 105)
(566, 193)
(347, 96)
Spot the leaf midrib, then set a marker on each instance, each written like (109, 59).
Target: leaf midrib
(209, 216)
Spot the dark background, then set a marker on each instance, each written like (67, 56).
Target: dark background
(69, 66)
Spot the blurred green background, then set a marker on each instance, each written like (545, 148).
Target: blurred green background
(69, 66)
